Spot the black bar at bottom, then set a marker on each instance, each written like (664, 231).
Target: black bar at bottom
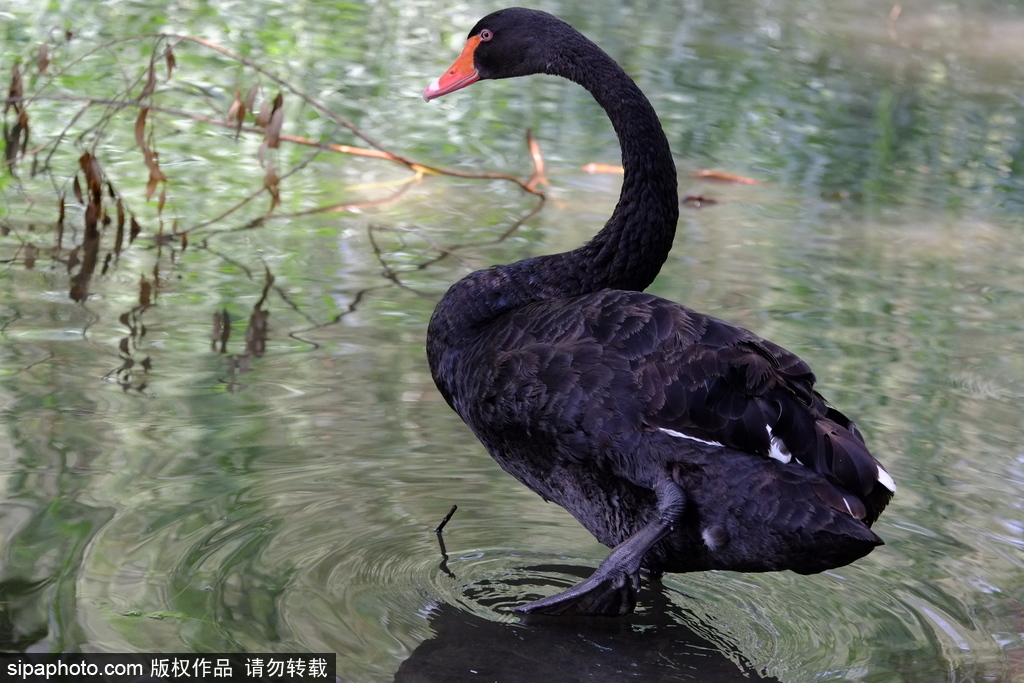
(103, 667)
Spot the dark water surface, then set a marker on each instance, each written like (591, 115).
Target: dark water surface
(172, 484)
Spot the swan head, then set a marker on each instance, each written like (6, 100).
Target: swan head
(504, 44)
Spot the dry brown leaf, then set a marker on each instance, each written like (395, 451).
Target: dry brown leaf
(710, 174)
(890, 24)
(236, 103)
(23, 122)
(170, 61)
(43, 58)
(16, 136)
(155, 169)
(60, 219)
(221, 330)
(273, 131)
(150, 87)
(11, 137)
(15, 91)
(272, 182)
(155, 174)
(151, 186)
(250, 97)
(603, 168)
(256, 333)
(92, 219)
(140, 128)
(119, 238)
(263, 118)
(538, 162)
(93, 177)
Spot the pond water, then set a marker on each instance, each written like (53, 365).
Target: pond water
(222, 435)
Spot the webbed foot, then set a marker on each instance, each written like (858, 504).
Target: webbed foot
(608, 592)
(611, 590)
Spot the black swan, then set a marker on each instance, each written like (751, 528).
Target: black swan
(684, 442)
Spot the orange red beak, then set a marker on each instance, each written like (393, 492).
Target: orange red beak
(458, 76)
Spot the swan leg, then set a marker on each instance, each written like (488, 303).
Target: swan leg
(611, 589)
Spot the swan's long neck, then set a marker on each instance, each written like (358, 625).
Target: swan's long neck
(626, 254)
(631, 248)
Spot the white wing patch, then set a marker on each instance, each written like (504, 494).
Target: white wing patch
(672, 432)
(778, 450)
(885, 480)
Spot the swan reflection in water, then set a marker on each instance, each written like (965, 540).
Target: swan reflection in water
(655, 644)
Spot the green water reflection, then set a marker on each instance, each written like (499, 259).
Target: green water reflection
(170, 486)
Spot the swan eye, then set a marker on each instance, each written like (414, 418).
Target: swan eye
(486, 34)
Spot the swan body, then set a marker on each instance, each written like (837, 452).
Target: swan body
(683, 442)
